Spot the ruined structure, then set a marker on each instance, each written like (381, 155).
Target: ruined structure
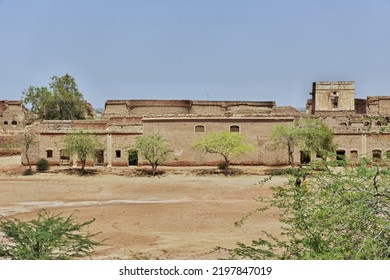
(13, 117)
(360, 127)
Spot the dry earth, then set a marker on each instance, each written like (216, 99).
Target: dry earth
(178, 215)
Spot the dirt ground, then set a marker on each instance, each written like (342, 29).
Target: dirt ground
(177, 215)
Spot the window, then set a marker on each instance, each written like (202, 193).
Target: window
(340, 155)
(5, 123)
(14, 123)
(118, 153)
(234, 128)
(199, 128)
(354, 155)
(64, 157)
(376, 155)
(99, 157)
(335, 101)
(49, 153)
(388, 154)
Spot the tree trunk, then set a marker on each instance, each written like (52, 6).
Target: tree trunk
(82, 167)
(290, 155)
(27, 157)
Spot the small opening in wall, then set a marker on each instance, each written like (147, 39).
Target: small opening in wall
(376, 155)
(354, 154)
(14, 123)
(335, 101)
(5, 123)
(49, 153)
(118, 153)
(199, 128)
(99, 157)
(234, 128)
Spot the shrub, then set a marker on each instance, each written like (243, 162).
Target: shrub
(48, 237)
(43, 165)
(27, 172)
(223, 166)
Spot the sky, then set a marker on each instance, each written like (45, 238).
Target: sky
(195, 49)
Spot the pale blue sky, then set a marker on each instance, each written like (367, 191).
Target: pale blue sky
(195, 49)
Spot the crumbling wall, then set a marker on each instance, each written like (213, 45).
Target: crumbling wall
(333, 97)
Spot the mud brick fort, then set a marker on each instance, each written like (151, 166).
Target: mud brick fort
(361, 127)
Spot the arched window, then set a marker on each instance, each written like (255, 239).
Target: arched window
(14, 123)
(199, 128)
(354, 154)
(5, 123)
(376, 155)
(234, 128)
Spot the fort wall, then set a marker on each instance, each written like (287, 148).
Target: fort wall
(361, 126)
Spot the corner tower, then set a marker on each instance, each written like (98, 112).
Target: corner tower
(333, 97)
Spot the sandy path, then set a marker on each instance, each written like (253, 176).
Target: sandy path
(168, 217)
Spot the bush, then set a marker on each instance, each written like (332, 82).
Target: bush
(27, 172)
(223, 166)
(42, 165)
(48, 237)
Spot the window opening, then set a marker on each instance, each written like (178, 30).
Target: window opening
(376, 155)
(234, 128)
(199, 128)
(49, 153)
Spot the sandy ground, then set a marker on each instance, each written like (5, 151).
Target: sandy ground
(174, 216)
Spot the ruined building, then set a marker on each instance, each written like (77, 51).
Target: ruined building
(360, 127)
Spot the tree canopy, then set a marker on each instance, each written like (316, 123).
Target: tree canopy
(286, 136)
(154, 149)
(83, 145)
(224, 143)
(48, 237)
(61, 101)
(315, 136)
(341, 213)
(310, 134)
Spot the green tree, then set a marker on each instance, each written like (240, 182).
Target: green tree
(27, 140)
(48, 237)
(343, 214)
(154, 149)
(310, 134)
(315, 136)
(223, 143)
(286, 136)
(82, 144)
(61, 101)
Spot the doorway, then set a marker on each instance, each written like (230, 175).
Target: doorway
(99, 157)
(305, 157)
(133, 157)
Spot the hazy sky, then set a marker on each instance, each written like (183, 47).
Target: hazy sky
(195, 49)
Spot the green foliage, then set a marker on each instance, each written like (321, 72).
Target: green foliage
(223, 166)
(310, 134)
(83, 144)
(286, 136)
(223, 143)
(61, 101)
(43, 164)
(154, 149)
(338, 214)
(28, 172)
(27, 140)
(48, 237)
(315, 136)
